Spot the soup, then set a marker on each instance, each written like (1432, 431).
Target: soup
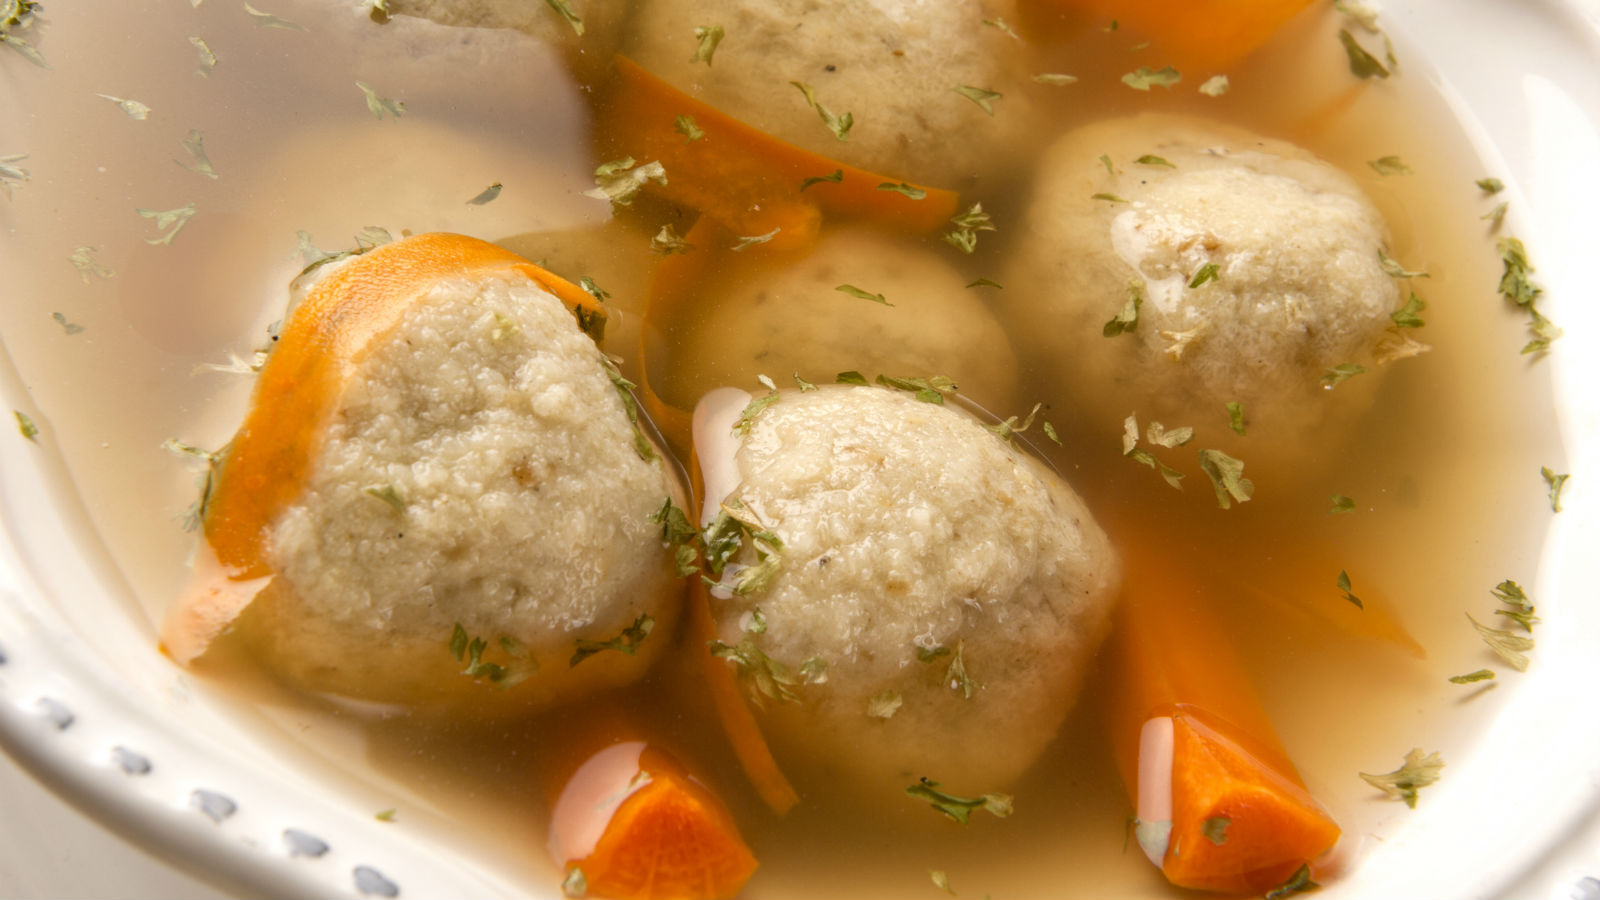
(296, 149)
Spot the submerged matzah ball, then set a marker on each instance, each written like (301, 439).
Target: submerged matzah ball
(949, 588)
(893, 66)
(1256, 268)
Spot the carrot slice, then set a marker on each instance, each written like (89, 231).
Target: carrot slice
(745, 178)
(1201, 34)
(297, 391)
(640, 827)
(1220, 804)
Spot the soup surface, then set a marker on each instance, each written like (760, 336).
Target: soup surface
(123, 359)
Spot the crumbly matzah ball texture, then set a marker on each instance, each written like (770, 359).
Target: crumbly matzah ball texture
(777, 319)
(1299, 288)
(893, 65)
(525, 512)
(907, 526)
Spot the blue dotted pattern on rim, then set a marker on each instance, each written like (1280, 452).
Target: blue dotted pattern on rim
(303, 843)
(215, 806)
(371, 883)
(130, 762)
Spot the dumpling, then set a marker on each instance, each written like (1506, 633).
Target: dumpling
(935, 594)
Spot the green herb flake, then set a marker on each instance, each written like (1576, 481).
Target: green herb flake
(25, 425)
(1110, 28)
(667, 242)
(574, 885)
(928, 390)
(564, 10)
(860, 294)
(1236, 416)
(1543, 330)
(1050, 432)
(851, 377)
(814, 670)
(1227, 477)
(884, 705)
(1055, 79)
(1509, 646)
(1105, 160)
(677, 532)
(1490, 185)
(88, 267)
(1555, 483)
(1111, 198)
(630, 406)
(1207, 272)
(627, 641)
(208, 60)
(688, 127)
(836, 178)
(708, 36)
(1343, 583)
(914, 193)
(599, 293)
(1340, 374)
(1362, 63)
(1001, 26)
(1172, 476)
(70, 328)
(839, 125)
(1144, 77)
(1394, 269)
(620, 180)
(1410, 315)
(514, 648)
(387, 494)
(1340, 504)
(1416, 773)
(968, 224)
(753, 622)
(1128, 319)
(748, 241)
(956, 807)
(956, 677)
(747, 418)
(1150, 159)
(15, 16)
(593, 323)
(268, 20)
(1298, 883)
(173, 219)
(1360, 13)
(1157, 434)
(487, 195)
(133, 109)
(986, 282)
(803, 384)
(1519, 606)
(1010, 426)
(1216, 829)
(1514, 283)
(378, 105)
(1473, 677)
(1497, 216)
(1390, 165)
(983, 97)
(387, 815)
(765, 678)
(195, 145)
(929, 654)
(11, 173)
(1215, 86)
(941, 880)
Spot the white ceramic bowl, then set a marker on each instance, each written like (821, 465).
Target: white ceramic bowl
(90, 708)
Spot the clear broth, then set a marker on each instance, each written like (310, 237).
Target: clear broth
(296, 150)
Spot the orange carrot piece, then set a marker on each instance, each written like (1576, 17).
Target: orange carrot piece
(745, 178)
(1206, 35)
(1241, 820)
(640, 827)
(265, 466)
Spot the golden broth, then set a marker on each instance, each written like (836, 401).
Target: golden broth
(1443, 469)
